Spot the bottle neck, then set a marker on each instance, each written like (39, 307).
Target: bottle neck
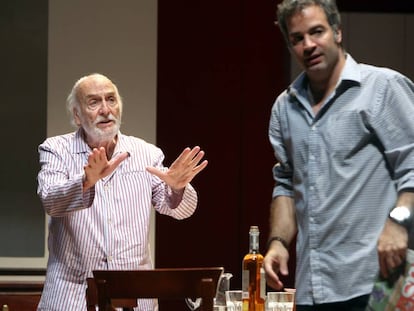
(254, 243)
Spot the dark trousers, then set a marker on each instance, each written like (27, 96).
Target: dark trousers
(355, 304)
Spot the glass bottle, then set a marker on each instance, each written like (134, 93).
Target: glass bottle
(253, 279)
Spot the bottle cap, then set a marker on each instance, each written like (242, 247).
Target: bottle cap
(254, 229)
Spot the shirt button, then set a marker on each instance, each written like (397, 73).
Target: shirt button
(109, 258)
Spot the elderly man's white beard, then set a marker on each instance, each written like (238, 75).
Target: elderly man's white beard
(98, 135)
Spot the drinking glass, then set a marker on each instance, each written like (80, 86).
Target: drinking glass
(234, 300)
(193, 304)
(280, 301)
(219, 300)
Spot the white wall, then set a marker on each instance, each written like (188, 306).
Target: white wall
(116, 38)
(119, 40)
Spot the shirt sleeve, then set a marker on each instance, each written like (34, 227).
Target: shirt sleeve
(60, 191)
(282, 170)
(393, 124)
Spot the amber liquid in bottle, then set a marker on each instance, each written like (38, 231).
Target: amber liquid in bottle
(253, 280)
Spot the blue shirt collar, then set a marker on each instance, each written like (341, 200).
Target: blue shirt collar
(350, 75)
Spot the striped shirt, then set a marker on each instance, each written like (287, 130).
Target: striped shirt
(107, 227)
(343, 167)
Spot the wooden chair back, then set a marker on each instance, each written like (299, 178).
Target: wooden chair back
(120, 288)
(92, 299)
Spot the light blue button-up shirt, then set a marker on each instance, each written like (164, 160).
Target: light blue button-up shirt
(344, 167)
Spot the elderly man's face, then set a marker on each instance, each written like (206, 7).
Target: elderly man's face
(100, 109)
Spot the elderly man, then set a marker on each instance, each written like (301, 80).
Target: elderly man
(99, 187)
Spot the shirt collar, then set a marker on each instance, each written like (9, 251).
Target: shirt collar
(350, 75)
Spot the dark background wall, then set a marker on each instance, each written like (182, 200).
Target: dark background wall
(23, 33)
(220, 66)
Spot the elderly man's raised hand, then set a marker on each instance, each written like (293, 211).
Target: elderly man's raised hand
(99, 167)
(183, 170)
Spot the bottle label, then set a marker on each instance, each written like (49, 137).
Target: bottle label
(245, 284)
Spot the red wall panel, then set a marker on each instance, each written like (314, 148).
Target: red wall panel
(221, 65)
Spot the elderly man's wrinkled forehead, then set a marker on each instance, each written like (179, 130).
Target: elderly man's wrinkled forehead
(95, 85)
